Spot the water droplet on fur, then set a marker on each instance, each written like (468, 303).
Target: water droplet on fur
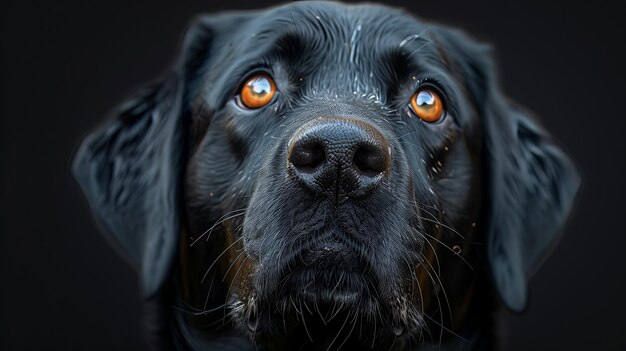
(398, 331)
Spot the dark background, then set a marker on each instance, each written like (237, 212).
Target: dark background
(65, 64)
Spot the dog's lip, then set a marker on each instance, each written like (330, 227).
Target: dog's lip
(346, 286)
(333, 253)
(330, 272)
(343, 296)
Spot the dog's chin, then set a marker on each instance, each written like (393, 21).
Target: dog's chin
(325, 318)
(325, 298)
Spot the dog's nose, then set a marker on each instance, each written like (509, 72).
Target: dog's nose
(339, 157)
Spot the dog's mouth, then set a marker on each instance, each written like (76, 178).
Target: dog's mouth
(330, 273)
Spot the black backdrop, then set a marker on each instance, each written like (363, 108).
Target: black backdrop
(65, 64)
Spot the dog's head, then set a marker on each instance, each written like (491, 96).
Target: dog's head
(331, 165)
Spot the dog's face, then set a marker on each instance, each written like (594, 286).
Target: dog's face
(329, 188)
(329, 166)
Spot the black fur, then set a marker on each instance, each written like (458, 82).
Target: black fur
(198, 193)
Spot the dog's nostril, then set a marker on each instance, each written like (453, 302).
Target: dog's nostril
(370, 161)
(307, 156)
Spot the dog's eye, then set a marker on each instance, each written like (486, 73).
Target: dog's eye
(258, 91)
(427, 105)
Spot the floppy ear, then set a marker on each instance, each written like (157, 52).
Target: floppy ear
(530, 184)
(532, 188)
(130, 169)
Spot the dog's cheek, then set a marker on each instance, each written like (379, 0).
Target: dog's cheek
(457, 184)
(215, 199)
(261, 236)
(401, 244)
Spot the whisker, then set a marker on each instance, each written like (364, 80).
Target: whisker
(233, 263)
(218, 222)
(338, 333)
(218, 258)
(438, 222)
(451, 250)
(439, 309)
(208, 294)
(194, 311)
(434, 251)
(446, 329)
(235, 276)
(304, 323)
(445, 295)
(351, 329)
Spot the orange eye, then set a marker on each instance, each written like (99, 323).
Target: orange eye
(258, 91)
(427, 105)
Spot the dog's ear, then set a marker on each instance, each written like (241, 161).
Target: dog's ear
(130, 169)
(531, 191)
(129, 173)
(530, 184)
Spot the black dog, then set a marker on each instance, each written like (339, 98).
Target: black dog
(323, 176)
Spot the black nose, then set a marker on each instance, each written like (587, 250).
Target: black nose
(339, 157)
